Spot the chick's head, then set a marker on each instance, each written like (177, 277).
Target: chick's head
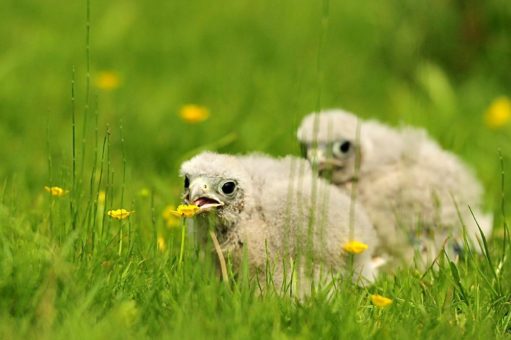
(216, 184)
(330, 141)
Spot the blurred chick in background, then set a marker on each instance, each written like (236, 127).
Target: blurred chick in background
(416, 194)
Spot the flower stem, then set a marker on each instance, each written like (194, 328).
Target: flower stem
(182, 250)
(221, 258)
(120, 241)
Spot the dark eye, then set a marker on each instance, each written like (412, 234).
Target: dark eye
(345, 147)
(228, 187)
(187, 182)
(342, 149)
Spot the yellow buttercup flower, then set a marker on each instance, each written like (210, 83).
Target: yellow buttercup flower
(119, 214)
(354, 247)
(380, 301)
(107, 81)
(192, 113)
(162, 245)
(144, 192)
(55, 191)
(184, 210)
(498, 113)
(169, 217)
(101, 197)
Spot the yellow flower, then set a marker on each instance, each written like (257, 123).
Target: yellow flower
(185, 210)
(380, 301)
(498, 113)
(194, 113)
(144, 192)
(107, 81)
(169, 216)
(162, 245)
(55, 191)
(119, 214)
(101, 197)
(354, 247)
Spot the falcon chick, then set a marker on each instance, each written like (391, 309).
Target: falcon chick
(279, 213)
(416, 194)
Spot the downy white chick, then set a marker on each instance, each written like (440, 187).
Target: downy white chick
(269, 207)
(416, 194)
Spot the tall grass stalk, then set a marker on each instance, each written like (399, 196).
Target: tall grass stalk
(87, 85)
(74, 188)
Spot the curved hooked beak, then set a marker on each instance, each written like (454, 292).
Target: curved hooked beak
(202, 194)
(318, 157)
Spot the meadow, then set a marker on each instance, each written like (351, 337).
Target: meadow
(91, 101)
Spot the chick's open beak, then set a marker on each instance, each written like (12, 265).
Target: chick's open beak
(203, 195)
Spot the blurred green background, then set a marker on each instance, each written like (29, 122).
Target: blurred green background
(257, 66)
(69, 271)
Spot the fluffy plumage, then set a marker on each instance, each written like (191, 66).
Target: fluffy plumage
(415, 192)
(267, 206)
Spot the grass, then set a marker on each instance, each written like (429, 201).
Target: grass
(68, 271)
